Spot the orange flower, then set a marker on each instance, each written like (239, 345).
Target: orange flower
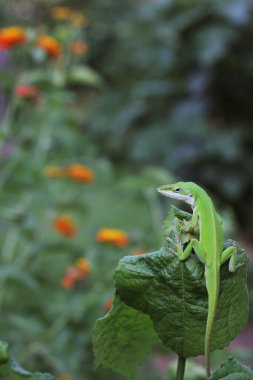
(76, 171)
(80, 173)
(68, 282)
(107, 305)
(29, 92)
(61, 13)
(65, 226)
(73, 272)
(49, 45)
(114, 236)
(63, 376)
(12, 36)
(83, 266)
(76, 273)
(79, 47)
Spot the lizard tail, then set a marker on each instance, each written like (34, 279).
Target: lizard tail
(213, 293)
(208, 347)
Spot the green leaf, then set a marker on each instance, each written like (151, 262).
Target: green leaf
(173, 294)
(122, 339)
(84, 75)
(10, 370)
(232, 369)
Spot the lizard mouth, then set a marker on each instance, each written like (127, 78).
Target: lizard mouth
(171, 194)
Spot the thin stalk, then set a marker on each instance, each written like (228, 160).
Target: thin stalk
(180, 368)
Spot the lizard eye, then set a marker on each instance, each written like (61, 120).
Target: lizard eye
(176, 190)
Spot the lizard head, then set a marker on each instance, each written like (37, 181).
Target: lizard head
(178, 191)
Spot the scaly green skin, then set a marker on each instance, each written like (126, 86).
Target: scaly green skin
(208, 248)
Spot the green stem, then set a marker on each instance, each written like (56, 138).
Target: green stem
(180, 368)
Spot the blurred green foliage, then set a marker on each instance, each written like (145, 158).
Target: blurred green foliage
(47, 322)
(178, 90)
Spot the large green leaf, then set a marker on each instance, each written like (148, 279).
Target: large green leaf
(10, 370)
(232, 369)
(123, 338)
(173, 294)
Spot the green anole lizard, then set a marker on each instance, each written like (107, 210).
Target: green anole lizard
(208, 247)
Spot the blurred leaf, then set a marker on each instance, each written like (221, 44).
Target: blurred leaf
(232, 369)
(150, 178)
(10, 370)
(178, 60)
(36, 76)
(212, 43)
(122, 339)
(10, 272)
(83, 75)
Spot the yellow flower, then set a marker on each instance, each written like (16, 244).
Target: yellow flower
(61, 13)
(112, 235)
(83, 266)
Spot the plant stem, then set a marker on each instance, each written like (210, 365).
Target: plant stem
(180, 368)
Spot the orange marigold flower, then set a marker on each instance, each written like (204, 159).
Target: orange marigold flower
(61, 13)
(76, 273)
(108, 305)
(65, 226)
(80, 173)
(49, 45)
(79, 47)
(29, 92)
(55, 171)
(12, 36)
(83, 266)
(114, 236)
(68, 282)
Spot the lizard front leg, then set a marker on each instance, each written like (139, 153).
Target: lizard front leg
(230, 254)
(194, 244)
